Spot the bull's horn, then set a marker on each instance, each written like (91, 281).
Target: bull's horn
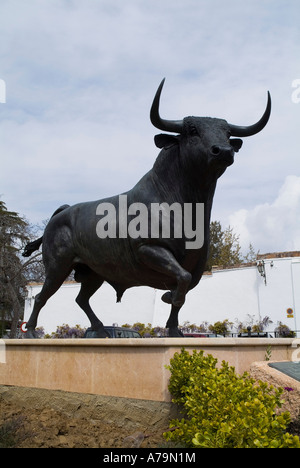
(175, 126)
(255, 128)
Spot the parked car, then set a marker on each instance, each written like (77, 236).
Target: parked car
(115, 332)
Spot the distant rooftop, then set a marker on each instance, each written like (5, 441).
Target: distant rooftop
(295, 253)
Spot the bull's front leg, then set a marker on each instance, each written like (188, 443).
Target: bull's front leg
(163, 261)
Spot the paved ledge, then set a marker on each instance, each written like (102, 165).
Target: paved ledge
(127, 368)
(152, 342)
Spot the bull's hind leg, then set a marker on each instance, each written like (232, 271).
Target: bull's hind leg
(90, 283)
(54, 279)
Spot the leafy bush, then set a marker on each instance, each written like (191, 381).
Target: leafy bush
(223, 409)
(283, 331)
(65, 331)
(144, 330)
(221, 328)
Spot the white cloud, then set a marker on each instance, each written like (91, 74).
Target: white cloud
(80, 78)
(274, 226)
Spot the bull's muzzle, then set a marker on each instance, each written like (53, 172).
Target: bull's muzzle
(223, 154)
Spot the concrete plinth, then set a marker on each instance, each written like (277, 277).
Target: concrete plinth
(128, 368)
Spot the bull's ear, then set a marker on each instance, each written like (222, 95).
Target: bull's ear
(236, 144)
(163, 140)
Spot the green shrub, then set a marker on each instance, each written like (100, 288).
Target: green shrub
(221, 328)
(223, 409)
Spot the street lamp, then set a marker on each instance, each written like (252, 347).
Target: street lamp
(261, 269)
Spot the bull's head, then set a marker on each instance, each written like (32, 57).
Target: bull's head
(206, 138)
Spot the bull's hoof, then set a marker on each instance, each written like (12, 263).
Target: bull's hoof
(175, 333)
(31, 334)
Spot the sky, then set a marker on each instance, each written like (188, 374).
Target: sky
(77, 83)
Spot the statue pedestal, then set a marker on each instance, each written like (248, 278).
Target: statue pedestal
(126, 367)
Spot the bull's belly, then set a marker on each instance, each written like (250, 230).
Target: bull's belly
(117, 262)
(124, 276)
(127, 277)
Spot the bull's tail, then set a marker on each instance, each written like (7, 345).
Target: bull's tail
(35, 245)
(32, 247)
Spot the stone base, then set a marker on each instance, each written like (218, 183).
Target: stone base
(262, 371)
(126, 368)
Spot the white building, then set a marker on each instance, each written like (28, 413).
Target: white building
(233, 294)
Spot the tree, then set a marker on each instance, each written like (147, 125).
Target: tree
(215, 244)
(225, 249)
(15, 232)
(251, 255)
(230, 253)
(12, 282)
